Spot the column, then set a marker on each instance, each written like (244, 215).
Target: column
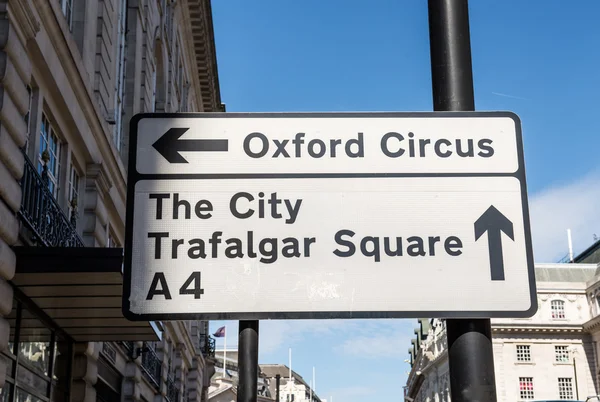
(85, 372)
(132, 378)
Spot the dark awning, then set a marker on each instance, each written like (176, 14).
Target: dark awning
(80, 290)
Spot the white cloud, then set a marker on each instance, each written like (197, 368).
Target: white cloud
(360, 337)
(349, 392)
(379, 340)
(380, 346)
(284, 333)
(575, 206)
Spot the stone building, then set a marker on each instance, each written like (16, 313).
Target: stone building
(73, 73)
(550, 356)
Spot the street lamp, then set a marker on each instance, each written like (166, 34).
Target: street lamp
(574, 351)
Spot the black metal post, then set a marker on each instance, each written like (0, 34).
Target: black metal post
(470, 352)
(277, 384)
(248, 361)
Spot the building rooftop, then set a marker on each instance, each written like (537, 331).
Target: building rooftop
(565, 272)
(272, 370)
(589, 255)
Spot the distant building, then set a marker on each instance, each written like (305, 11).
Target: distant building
(294, 389)
(552, 355)
(223, 386)
(589, 256)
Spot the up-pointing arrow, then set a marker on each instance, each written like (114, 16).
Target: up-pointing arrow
(494, 222)
(169, 145)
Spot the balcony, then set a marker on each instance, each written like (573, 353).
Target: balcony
(172, 391)
(41, 213)
(128, 345)
(151, 366)
(207, 345)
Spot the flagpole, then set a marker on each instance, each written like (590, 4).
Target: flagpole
(314, 382)
(225, 354)
(290, 364)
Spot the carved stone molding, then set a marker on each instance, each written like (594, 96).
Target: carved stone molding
(98, 172)
(26, 18)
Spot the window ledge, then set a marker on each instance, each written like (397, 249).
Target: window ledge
(525, 363)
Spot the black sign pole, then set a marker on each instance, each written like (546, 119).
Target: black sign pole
(470, 353)
(248, 361)
(278, 384)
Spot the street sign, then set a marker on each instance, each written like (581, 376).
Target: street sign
(327, 215)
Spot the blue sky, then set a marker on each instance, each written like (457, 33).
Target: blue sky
(537, 58)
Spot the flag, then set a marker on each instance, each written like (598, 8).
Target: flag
(220, 333)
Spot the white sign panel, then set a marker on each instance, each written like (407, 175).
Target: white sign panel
(220, 226)
(333, 144)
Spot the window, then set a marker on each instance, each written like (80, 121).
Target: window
(526, 387)
(180, 79)
(159, 95)
(73, 190)
(523, 353)
(120, 85)
(36, 371)
(67, 9)
(50, 149)
(565, 388)
(175, 61)
(153, 101)
(558, 309)
(561, 354)
(112, 242)
(168, 22)
(27, 117)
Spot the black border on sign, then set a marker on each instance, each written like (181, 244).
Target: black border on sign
(133, 177)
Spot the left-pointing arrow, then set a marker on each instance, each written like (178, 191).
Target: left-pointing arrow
(169, 145)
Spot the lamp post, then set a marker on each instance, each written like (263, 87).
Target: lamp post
(573, 350)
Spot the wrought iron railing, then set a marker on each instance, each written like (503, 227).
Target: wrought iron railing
(172, 391)
(207, 345)
(42, 214)
(128, 345)
(151, 366)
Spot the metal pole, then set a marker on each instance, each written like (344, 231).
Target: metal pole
(277, 384)
(575, 375)
(470, 352)
(248, 361)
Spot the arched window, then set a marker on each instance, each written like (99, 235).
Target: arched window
(558, 309)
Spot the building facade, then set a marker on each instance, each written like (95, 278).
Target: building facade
(550, 356)
(292, 387)
(73, 73)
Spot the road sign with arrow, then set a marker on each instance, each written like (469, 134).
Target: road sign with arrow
(252, 216)
(170, 145)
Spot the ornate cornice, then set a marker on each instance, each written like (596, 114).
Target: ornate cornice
(592, 325)
(204, 50)
(98, 173)
(24, 15)
(538, 329)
